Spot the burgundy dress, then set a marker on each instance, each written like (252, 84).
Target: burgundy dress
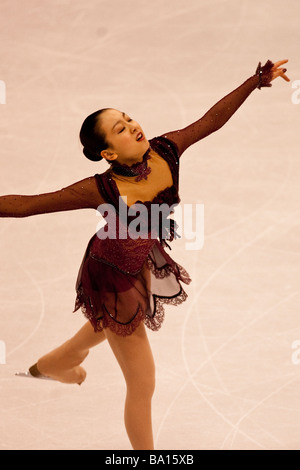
(123, 281)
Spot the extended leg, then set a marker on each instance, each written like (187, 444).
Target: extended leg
(63, 363)
(136, 361)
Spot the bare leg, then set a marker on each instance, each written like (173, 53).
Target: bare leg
(136, 361)
(63, 363)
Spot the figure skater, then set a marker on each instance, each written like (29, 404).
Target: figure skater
(123, 281)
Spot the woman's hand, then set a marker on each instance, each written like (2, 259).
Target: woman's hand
(279, 72)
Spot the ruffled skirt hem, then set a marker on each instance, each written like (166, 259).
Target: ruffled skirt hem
(112, 299)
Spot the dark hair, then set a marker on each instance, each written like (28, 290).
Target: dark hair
(93, 141)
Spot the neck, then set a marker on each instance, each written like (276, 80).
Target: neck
(133, 160)
(128, 161)
(138, 169)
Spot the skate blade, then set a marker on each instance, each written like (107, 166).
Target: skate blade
(29, 376)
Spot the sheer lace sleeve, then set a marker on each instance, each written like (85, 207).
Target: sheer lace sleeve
(215, 118)
(81, 195)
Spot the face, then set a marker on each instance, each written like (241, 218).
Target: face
(126, 139)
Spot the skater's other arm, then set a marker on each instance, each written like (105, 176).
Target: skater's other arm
(81, 195)
(222, 111)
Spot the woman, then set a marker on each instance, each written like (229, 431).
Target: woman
(124, 280)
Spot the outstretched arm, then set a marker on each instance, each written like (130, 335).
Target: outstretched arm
(222, 111)
(81, 195)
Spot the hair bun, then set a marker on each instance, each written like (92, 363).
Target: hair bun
(93, 156)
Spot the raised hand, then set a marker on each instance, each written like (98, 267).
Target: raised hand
(277, 71)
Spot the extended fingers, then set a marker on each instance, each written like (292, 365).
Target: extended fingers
(285, 77)
(280, 62)
(281, 73)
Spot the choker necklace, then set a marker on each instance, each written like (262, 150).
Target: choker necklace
(140, 169)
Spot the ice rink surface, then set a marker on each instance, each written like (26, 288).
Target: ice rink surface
(228, 368)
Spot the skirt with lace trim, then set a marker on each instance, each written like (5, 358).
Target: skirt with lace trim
(112, 298)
